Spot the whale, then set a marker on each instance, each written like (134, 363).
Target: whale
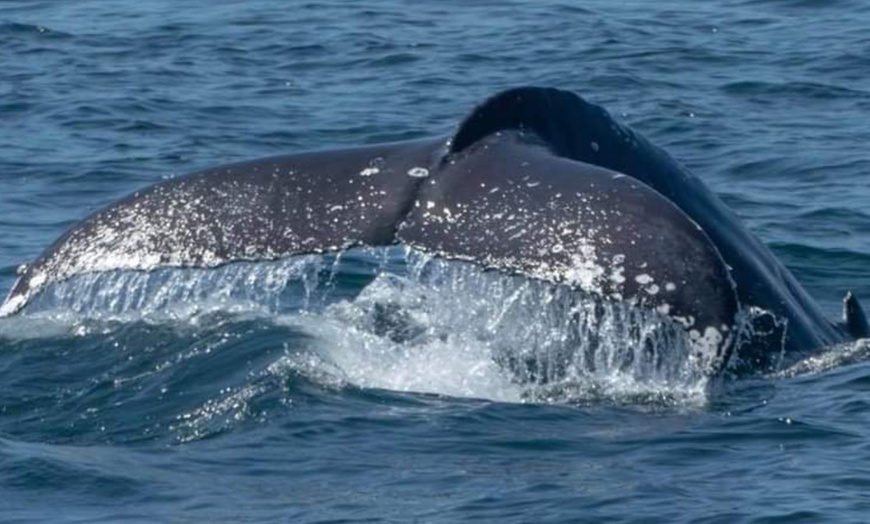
(534, 181)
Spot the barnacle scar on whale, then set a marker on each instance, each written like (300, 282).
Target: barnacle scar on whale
(535, 181)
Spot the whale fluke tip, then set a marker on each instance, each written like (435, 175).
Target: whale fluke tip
(854, 317)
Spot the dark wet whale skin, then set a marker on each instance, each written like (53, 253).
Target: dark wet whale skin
(533, 181)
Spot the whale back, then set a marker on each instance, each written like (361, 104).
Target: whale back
(572, 128)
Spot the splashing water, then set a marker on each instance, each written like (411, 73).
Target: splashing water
(402, 320)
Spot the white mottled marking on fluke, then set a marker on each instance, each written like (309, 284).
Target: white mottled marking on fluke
(643, 279)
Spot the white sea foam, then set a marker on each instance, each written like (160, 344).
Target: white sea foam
(832, 357)
(403, 320)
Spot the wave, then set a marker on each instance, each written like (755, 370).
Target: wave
(806, 90)
(16, 29)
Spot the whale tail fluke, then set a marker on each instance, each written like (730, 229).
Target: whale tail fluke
(854, 318)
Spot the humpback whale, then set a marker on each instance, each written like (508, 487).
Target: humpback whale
(535, 181)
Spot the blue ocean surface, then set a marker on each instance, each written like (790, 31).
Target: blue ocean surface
(366, 386)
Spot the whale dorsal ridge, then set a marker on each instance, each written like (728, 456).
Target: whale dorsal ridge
(559, 118)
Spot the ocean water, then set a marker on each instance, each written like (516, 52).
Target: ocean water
(385, 386)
